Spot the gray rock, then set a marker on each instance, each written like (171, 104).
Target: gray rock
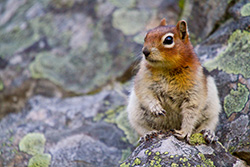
(71, 46)
(225, 54)
(203, 16)
(172, 152)
(73, 137)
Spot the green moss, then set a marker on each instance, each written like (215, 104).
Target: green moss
(236, 100)
(73, 71)
(123, 4)
(181, 4)
(235, 59)
(1, 85)
(65, 4)
(119, 117)
(231, 149)
(44, 67)
(130, 22)
(32, 143)
(139, 38)
(18, 38)
(125, 154)
(245, 10)
(156, 162)
(156, 158)
(174, 165)
(137, 161)
(197, 138)
(123, 123)
(110, 115)
(207, 162)
(147, 152)
(125, 164)
(183, 159)
(152, 162)
(40, 160)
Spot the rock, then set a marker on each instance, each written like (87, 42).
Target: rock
(32, 143)
(225, 53)
(123, 4)
(130, 22)
(204, 16)
(69, 45)
(173, 152)
(79, 131)
(245, 11)
(10, 10)
(239, 9)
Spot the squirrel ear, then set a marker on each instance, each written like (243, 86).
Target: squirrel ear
(163, 22)
(182, 29)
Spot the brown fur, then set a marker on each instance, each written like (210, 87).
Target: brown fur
(170, 89)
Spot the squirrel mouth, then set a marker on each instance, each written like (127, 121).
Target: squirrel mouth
(151, 60)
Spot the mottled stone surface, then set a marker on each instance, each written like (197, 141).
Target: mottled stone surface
(226, 54)
(79, 131)
(72, 46)
(203, 16)
(174, 153)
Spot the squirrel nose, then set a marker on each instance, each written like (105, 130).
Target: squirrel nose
(146, 51)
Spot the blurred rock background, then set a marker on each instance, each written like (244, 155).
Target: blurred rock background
(66, 68)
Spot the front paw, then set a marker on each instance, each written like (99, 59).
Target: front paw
(180, 134)
(209, 136)
(148, 136)
(151, 135)
(157, 110)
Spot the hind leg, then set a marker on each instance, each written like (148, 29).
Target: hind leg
(207, 128)
(211, 113)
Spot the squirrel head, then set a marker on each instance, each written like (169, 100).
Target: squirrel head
(168, 46)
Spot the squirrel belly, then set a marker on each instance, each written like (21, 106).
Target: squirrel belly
(171, 89)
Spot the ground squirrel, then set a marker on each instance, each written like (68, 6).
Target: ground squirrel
(171, 89)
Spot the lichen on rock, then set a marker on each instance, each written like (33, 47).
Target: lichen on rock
(245, 10)
(32, 143)
(206, 161)
(197, 138)
(40, 160)
(235, 59)
(62, 4)
(119, 117)
(123, 4)
(130, 22)
(123, 123)
(236, 100)
(1, 85)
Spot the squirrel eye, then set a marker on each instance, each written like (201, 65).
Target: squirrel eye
(168, 40)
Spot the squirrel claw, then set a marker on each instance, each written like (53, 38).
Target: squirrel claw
(157, 110)
(148, 136)
(151, 135)
(182, 135)
(209, 136)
